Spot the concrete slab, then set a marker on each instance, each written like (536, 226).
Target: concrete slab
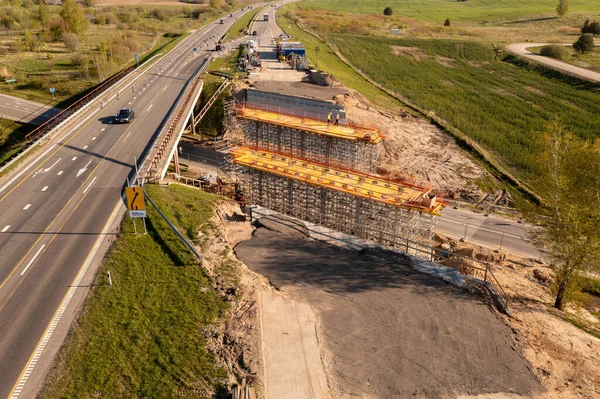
(293, 367)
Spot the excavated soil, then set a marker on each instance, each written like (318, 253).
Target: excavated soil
(386, 330)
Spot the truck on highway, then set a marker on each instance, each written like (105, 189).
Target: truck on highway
(266, 17)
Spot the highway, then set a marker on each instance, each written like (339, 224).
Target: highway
(26, 111)
(57, 208)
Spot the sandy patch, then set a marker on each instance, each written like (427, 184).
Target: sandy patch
(413, 52)
(414, 149)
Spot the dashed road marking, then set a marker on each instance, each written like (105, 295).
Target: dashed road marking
(129, 102)
(150, 107)
(5, 229)
(103, 129)
(74, 158)
(93, 138)
(33, 259)
(60, 173)
(85, 147)
(26, 207)
(45, 188)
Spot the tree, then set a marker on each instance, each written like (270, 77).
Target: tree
(57, 28)
(447, 22)
(569, 181)
(216, 4)
(75, 20)
(563, 7)
(89, 3)
(31, 41)
(555, 51)
(43, 14)
(388, 11)
(584, 44)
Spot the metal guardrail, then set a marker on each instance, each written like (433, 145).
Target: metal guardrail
(212, 100)
(70, 110)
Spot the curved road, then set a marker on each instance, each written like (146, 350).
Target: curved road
(520, 49)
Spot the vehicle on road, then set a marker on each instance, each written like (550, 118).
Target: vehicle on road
(254, 33)
(266, 17)
(221, 22)
(125, 115)
(230, 15)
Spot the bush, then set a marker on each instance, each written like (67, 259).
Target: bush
(388, 11)
(447, 22)
(71, 41)
(584, 44)
(555, 51)
(591, 27)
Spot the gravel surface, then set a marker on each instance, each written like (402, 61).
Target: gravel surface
(386, 330)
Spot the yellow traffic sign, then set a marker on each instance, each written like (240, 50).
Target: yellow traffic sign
(135, 202)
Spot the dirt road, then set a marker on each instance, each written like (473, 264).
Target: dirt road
(521, 50)
(386, 330)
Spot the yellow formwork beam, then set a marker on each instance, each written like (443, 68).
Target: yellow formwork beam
(311, 125)
(359, 184)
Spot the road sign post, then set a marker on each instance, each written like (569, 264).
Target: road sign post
(52, 90)
(137, 59)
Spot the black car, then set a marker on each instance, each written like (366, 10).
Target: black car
(125, 115)
(254, 33)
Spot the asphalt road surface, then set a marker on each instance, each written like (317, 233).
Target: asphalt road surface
(25, 111)
(54, 208)
(492, 231)
(521, 50)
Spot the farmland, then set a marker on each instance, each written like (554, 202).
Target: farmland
(439, 10)
(499, 105)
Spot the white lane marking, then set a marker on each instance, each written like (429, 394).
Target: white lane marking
(90, 185)
(6, 228)
(135, 98)
(125, 139)
(60, 173)
(144, 88)
(93, 138)
(165, 87)
(26, 207)
(74, 158)
(33, 259)
(103, 129)
(84, 168)
(129, 102)
(45, 188)
(63, 306)
(150, 107)
(46, 170)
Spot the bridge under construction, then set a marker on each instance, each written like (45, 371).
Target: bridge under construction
(321, 173)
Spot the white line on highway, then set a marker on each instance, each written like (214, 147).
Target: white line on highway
(85, 147)
(60, 173)
(129, 102)
(165, 87)
(125, 139)
(45, 188)
(26, 207)
(150, 107)
(74, 158)
(6, 228)
(103, 129)
(32, 259)
(93, 138)
(90, 185)
(63, 306)
(135, 98)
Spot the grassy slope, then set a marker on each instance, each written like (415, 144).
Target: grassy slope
(496, 103)
(238, 26)
(11, 138)
(143, 337)
(439, 10)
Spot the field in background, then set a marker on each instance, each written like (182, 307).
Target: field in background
(439, 10)
(499, 105)
(144, 336)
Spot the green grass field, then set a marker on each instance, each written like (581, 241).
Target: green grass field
(143, 337)
(439, 10)
(497, 104)
(12, 136)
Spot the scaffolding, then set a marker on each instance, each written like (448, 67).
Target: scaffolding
(366, 206)
(314, 140)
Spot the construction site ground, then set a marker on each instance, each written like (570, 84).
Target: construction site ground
(386, 331)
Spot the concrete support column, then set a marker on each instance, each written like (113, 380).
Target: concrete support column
(176, 159)
(193, 118)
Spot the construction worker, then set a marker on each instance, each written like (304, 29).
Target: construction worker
(328, 119)
(337, 119)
